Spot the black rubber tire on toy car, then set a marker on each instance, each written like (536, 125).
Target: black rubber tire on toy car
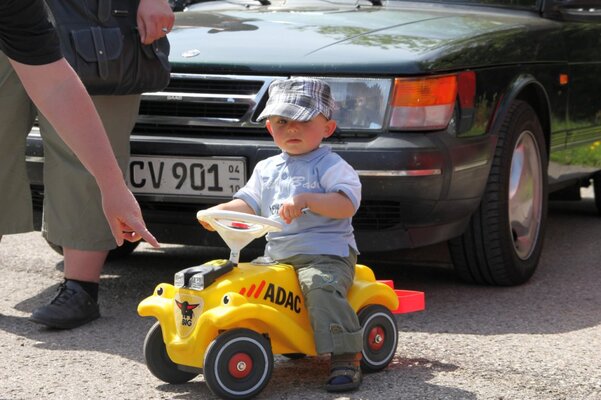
(158, 361)
(380, 337)
(504, 239)
(238, 364)
(118, 252)
(294, 356)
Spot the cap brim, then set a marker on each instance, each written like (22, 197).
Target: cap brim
(290, 111)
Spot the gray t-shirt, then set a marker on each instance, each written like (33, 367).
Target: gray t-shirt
(280, 177)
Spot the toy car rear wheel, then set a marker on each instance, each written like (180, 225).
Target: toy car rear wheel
(238, 364)
(294, 356)
(380, 337)
(158, 361)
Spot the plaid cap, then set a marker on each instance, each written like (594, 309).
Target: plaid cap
(299, 99)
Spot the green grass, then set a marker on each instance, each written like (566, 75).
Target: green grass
(589, 156)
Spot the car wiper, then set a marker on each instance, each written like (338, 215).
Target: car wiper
(180, 5)
(373, 3)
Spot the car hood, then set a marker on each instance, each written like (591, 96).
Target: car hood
(314, 38)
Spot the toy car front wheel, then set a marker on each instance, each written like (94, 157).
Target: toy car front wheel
(238, 364)
(158, 361)
(380, 337)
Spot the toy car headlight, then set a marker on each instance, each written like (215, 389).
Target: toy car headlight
(179, 279)
(201, 276)
(197, 282)
(193, 279)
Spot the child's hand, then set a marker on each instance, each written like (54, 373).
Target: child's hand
(207, 226)
(292, 208)
(233, 205)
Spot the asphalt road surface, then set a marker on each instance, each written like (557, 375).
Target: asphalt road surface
(541, 340)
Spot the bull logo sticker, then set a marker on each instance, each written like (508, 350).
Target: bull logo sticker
(186, 310)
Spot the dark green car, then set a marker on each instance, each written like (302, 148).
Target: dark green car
(459, 116)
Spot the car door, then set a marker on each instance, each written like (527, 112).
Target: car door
(582, 34)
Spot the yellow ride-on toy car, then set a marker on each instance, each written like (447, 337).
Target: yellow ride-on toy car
(226, 319)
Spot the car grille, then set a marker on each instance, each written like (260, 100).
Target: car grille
(205, 106)
(215, 85)
(371, 216)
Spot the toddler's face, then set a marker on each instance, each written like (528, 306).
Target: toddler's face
(295, 137)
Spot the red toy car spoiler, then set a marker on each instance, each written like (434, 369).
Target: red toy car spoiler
(409, 300)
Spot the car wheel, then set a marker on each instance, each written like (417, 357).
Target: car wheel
(158, 361)
(380, 337)
(119, 252)
(597, 191)
(238, 364)
(503, 241)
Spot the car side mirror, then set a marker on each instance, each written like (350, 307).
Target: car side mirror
(573, 10)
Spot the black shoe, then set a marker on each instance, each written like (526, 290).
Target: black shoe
(70, 308)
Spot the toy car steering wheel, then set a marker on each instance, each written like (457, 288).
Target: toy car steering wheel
(238, 229)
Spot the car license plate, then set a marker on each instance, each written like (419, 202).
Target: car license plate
(194, 176)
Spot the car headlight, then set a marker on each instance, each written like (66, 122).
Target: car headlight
(360, 102)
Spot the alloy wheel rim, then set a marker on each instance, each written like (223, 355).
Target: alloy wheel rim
(525, 195)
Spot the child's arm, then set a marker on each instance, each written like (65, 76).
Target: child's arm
(232, 205)
(332, 205)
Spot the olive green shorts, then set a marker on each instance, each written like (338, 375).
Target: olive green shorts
(73, 215)
(325, 281)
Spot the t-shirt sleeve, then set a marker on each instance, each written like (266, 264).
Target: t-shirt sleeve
(251, 192)
(341, 177)
(26, 34)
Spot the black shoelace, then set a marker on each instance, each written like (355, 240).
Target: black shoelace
(63, 295)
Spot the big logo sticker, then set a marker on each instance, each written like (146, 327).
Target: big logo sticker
(187, 309)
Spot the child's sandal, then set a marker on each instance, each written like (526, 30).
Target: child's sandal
(344, 379)
(345, 373)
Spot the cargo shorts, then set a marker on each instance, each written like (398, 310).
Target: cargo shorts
(73, 215)
(325, 281)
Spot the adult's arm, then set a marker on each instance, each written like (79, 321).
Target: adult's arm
(61, 97)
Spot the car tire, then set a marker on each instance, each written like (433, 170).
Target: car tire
(597, 191)
(238, 364)
(117, 253)
(503, 241)
(380, 337)
(158, 361)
